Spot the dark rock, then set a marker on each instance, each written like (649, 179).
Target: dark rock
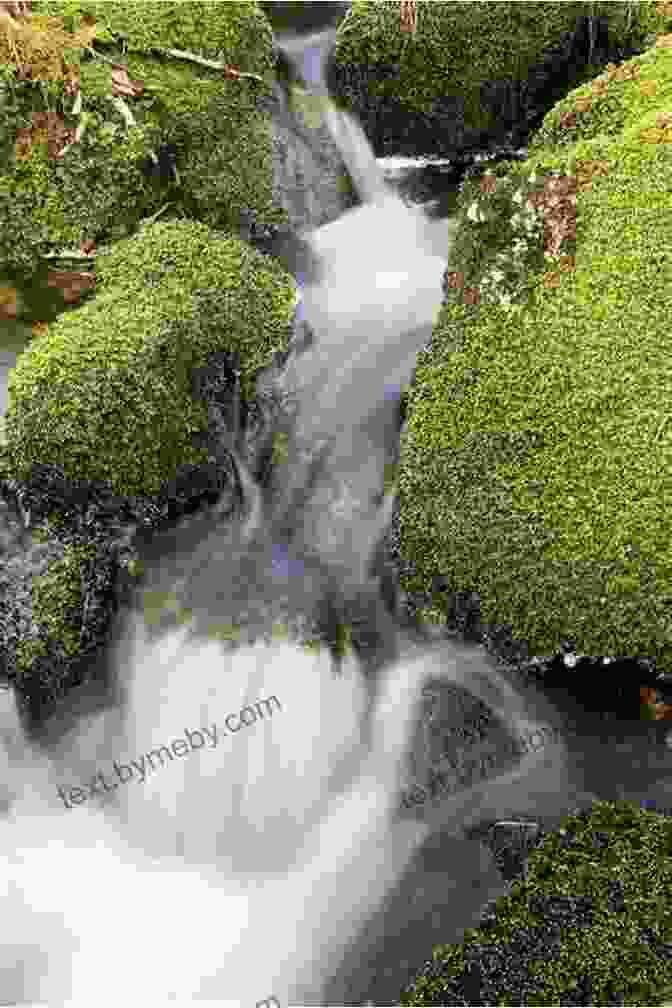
(511, 842)
(310, 181)
(162, 167)
(303, 18)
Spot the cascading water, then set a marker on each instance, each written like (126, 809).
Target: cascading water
(242, 871)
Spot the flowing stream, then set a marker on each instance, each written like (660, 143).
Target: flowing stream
(226, 830)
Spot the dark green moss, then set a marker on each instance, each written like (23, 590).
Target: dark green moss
(590, 924)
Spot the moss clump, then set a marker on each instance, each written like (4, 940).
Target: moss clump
(106, 394)
(537, 451)
(54, 198)
(465, 47)
(56, 610)
(591, 922)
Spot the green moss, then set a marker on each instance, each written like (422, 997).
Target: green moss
(56, 609)
(106, 393)
(544, 423)
(224, 141)
(615, 844)
(606, 109)
(466, 46)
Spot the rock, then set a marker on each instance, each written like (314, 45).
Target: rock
(388, 78)
(302, 18)
(58, 596)
(520, 438)
(558, 937)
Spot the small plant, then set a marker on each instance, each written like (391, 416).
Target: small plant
(499, 239)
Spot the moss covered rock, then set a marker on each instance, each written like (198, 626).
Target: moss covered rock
(470, 66)
(106, 393)
(537, 464)
(103, 399)
(77, 170)
(590, 923)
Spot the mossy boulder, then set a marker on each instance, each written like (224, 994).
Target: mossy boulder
(106, 393)
(73, 162)
(536, 467)
(589, 923)
(471, 71)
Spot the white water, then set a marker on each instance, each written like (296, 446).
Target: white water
(234, 872)
(241, 871)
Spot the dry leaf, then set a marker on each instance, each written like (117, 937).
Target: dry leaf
(409, 16)
(9, 303)
(488, 183)
(71, 284)
(583, 104)
(17, 8)
(122, 84)
(652, 135)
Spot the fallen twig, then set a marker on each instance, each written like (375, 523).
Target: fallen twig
(229, 71)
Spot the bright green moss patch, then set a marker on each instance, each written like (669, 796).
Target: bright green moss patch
(106, 394)
(536, 466)
(223, 137)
